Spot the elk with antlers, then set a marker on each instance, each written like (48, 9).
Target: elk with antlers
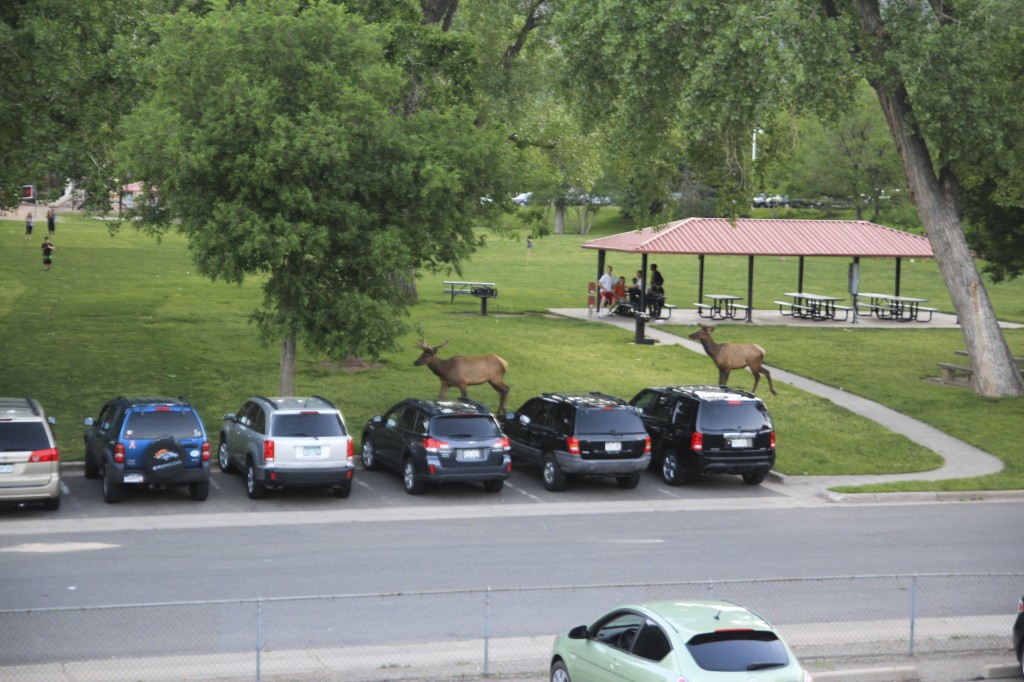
(461, 371)
(730, 356)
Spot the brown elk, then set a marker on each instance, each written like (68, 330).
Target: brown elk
(461, 371)
(730, 356)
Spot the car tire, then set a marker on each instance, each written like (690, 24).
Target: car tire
(559, 673)
(113, 491)
(628, 482)
(92, 470)
(343, 490)
(370, 462)
(199, 490)
(672, 469)
(494, 486)
(414, 485)
(554, 478)
(52, 503)
(253, 487)
(164, 458)
(753, 479)
(224, 458)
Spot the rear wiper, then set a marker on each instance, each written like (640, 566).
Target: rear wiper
(764, 666)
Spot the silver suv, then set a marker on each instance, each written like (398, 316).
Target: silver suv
(29, 457)
(287, 442)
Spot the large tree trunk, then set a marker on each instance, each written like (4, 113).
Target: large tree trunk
(936, 199)
(559, 219)
(288, 366)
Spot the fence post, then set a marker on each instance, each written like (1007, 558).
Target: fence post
(711, 589)
(913, 610)
(259, 635)
(487, 629)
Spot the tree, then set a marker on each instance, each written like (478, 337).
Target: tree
(329, 154)
(707, 73)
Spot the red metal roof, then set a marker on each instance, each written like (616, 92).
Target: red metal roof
(750, 237)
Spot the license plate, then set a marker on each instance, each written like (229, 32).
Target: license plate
(471, 454)
(133, 478)
(6, 468)
(311, 451)
(740, 443)
(614, 446)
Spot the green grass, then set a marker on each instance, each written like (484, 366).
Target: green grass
(128, 315)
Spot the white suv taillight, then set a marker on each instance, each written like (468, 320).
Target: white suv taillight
(268, 451)
(351, 452)
(48, 455)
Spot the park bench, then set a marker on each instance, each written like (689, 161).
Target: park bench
(787, 308)
(481, 290)
(956, 374)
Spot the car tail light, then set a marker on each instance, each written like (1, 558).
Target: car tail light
(1020, 605)
(119, 453)
(163, 408)
(205, 451)
(502, 444)
(508, 467)
(351, 451)
(268, 451)
(807, 677)
(647, 445)
(435, 445)
(697, 441)
(772, 443)
(48, 455)
(572, 444)
(432, 469)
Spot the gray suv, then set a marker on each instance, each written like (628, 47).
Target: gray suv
(29, 458)
(287, 442)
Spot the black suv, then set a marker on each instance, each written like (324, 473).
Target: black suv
(707, 430)
(148, 441)
(585, 434)
(438, 440)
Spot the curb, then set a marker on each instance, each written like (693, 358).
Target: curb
(901, 673)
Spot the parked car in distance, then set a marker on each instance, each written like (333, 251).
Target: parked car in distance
(522, 199)
(147, 442)
(29, 456)
(432, 441)
(287, 442)
(707, 430)
(580, 434)
(676, 640)
(1018, 634)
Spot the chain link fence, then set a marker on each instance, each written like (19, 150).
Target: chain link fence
(465, 634)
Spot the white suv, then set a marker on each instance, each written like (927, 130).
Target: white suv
(29, 457)
(287, 442)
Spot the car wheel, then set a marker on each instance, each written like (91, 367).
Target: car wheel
(199, 490)
(413, 484)
(52, 503)
(559, 672)
(92, 470)
(343, 490)
(753, 479)
(113, 491)
(628, 482)
(494, 486)
(554, 478)
(223, 458)
(672, 469)
(370, 462)
(253, 487)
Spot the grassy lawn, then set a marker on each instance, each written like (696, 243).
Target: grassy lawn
(128, 315)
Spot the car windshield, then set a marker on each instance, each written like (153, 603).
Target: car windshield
(480, 426)
(739, 415)
(17, 436)
(308, 425)
(176, 424)
(738, 651)
(618, 420)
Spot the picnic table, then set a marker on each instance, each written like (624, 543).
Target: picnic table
(722, 306)
(482, 290)
(893, 307)
(813, 306)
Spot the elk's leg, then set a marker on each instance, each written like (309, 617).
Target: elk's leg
(444, 391)
(462, 389)
(769, 376)
(502, 389)
(723, 377)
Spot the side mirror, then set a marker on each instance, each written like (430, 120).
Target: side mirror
(524, 420)
(376, 419)
(578, 632)
(510, 416)
(230, 417)
(52, 421)
(88, 421)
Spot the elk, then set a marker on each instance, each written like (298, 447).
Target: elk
(730, 356)
(462, 371)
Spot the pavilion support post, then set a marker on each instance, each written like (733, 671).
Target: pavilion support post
(899, 263)
(700, 280)
(800, 277)
(640, 316)
(750, 288)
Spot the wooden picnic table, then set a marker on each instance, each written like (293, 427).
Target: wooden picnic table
(482, 290)
(813, 306)
(893, 307)
(722, 306)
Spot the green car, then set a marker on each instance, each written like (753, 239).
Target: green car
(675, 641)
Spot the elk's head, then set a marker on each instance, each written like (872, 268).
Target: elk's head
(428, 352)
(704, 333)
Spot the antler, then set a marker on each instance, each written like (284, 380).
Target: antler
(422, 345)
(437, 348)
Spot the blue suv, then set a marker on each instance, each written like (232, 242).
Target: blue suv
(148, 442)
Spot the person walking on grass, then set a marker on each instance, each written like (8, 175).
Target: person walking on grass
(48, 248)
(51, 222)
(28, 226)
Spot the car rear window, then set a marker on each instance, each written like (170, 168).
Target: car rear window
(736, 415)
(738, 651)
(177, 424)
(480, 426)
(18, 436)
(618, 420)
(308, 425)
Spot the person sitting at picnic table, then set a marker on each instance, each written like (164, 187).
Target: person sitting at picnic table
(619, 292)
(655, 299)
(634, 293)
